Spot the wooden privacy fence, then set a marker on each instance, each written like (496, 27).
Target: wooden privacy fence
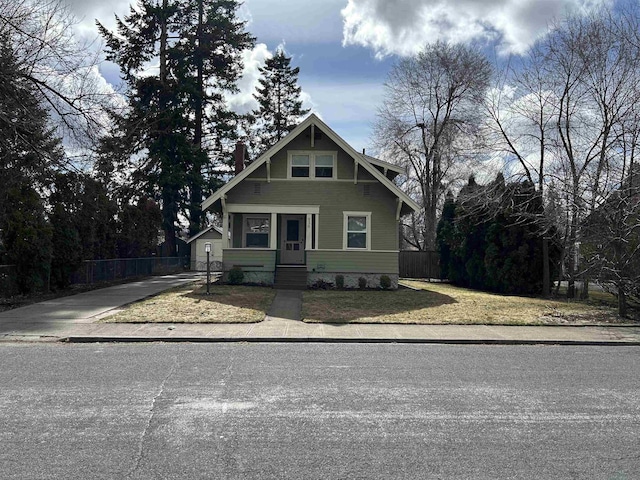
(418, 264)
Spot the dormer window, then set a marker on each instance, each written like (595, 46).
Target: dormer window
(300, 165)
(324, 166)
(312, 165)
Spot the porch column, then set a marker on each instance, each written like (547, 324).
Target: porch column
(317, 229)
(273, 232)
(225, 228)
(307, 236)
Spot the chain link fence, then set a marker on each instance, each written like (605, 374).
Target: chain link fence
(94, 271)
(8, 284)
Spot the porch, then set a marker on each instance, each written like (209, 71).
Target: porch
(270, 243)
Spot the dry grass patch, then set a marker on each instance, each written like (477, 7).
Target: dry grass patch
(190, 304)
(439, 303)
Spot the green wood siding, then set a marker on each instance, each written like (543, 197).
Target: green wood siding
(303, 142)
(340, 261)
(333, 198)
(260, 172)
(251, 260)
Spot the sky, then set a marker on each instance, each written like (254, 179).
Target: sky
(346, 48)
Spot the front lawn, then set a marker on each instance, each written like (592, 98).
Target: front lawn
(440, 303)
(190, 304)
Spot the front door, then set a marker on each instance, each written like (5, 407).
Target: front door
(292, 239)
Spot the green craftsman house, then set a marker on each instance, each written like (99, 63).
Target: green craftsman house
(309, 209)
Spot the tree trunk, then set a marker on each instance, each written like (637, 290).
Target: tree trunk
(573, 237)
(622, 301)
(546, 274)
(584, 294)
(168, 197)
(168, 221)
(195, 212)
(430, 229)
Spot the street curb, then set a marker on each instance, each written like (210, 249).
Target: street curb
(29, 339)
(460, 341)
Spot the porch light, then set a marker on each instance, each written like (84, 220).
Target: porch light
(207, 248)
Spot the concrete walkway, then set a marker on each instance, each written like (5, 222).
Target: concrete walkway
(287, 305)
(75, 318)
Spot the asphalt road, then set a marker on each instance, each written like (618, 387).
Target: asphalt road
(318, 411)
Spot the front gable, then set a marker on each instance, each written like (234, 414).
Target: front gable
(324, 161)
(310, 146)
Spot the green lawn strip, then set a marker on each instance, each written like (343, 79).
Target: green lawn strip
(191, 304)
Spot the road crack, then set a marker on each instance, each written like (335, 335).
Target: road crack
(152, 412)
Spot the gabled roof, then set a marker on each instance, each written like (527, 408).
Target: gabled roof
(384, 165)
(199, 234)
(363, 160)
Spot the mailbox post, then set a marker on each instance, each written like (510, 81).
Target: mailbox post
(207, 248)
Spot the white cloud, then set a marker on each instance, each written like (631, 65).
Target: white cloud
(243, 101)
(88, 11)
(404, 26)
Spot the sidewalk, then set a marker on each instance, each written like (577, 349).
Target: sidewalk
(75, 319)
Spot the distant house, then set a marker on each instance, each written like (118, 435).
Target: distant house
(197, 243)
(311, 208)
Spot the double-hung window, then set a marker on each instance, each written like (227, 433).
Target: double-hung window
(312, 165)
(323, 166)
(300, 164)
(357, 230)
(256, 231)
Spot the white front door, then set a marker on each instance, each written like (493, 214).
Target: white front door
(292, 239)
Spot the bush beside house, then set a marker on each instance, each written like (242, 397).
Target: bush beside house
(490, 238)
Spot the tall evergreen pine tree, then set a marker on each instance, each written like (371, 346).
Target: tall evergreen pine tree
(280, 108)
(176, 115)
(29, 151)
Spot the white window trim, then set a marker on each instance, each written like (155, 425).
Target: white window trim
(244, 228)
(345, 224)
(255, 209)
(312, 164)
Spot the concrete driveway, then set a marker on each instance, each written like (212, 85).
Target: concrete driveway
(58, 317)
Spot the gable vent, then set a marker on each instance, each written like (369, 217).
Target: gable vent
(366, 189)
(257, 189)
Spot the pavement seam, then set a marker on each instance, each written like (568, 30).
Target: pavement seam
(141, 454)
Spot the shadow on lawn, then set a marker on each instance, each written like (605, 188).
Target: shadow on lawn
(345, 306)
(234, 295)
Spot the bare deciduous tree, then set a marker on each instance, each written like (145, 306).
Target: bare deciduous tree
(611, 241)
(522, 114)
(593, 67)
(62, 70)
(569, 115)
(428, 124)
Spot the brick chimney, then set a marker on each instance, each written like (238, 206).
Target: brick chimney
(239, 156)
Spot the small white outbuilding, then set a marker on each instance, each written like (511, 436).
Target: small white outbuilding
(213, 235)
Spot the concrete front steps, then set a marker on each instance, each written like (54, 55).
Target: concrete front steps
(291, 277)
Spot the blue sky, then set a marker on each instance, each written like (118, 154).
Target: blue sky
(345, 48)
